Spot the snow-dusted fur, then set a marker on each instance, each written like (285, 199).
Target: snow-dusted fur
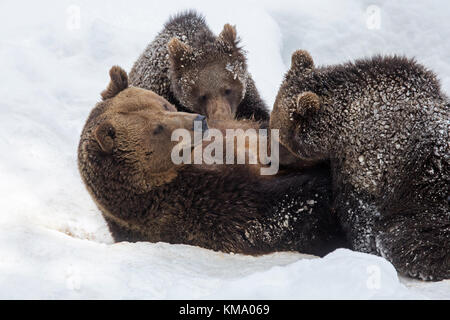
(197, 71)
(126, 165)
(384, 124)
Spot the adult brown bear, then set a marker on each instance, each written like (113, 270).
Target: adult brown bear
(124, 158)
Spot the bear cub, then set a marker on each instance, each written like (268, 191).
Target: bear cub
(384, 125)
(199, 72)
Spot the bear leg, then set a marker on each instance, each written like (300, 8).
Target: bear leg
(357, 214)
(417, 245)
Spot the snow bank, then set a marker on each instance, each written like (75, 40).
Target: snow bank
(55, 244)
(40, 263)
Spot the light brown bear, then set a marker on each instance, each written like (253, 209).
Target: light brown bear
(124, 158)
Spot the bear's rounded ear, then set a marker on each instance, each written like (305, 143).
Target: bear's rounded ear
(119, 82)
(301, 59)
(178, 51)
(104, 135)
(228, 35)
(307, 101)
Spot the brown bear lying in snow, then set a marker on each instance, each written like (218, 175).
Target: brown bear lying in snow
(124, 159)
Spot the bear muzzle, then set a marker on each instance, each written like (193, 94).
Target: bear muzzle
(219, 109)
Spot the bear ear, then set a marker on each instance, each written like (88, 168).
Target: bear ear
(307, 101)
(301, 59)
(228, 35)
(105, 135)
(119, 82)
(178, 51)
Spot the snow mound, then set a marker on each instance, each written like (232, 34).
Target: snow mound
(42, 263)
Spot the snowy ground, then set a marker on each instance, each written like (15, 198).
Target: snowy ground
(53, 241)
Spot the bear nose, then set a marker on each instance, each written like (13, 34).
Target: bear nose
(201, 119)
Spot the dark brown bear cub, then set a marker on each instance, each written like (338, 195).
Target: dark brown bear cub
(384, 124)
(199, 72)
(124, 158)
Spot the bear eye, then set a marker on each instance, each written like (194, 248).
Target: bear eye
(227, 92)
(203, 98)
(111, 132)
(158, 129)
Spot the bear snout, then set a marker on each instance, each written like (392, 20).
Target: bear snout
(219, 109)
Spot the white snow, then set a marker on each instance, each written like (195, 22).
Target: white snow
(54, 63)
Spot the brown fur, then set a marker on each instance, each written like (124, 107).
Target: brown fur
(119, 82)
(198, 71)
(145, 197)
(383, 124)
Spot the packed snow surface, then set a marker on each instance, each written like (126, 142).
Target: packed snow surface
(55, 57)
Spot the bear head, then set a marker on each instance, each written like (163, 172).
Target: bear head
(210, 80)
(127, 137)
(295, 110)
